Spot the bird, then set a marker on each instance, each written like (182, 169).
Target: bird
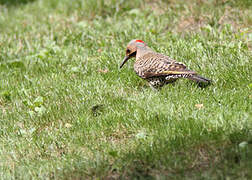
(158, 69)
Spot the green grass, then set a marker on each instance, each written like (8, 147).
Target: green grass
(68, 112)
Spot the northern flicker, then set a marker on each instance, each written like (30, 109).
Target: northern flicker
(157, 68)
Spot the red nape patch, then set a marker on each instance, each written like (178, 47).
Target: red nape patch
(139, 41)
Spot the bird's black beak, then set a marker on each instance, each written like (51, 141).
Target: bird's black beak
(125, 59)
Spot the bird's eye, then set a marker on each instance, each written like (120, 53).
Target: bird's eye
(127, 51)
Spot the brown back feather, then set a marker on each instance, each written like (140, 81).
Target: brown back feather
(155, 64)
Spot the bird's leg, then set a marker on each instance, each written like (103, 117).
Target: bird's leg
(154, 88)
(155, 83)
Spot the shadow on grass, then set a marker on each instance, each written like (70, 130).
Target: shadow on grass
(14, 2)
(162, 160)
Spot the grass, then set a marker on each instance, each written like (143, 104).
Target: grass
(68, 112)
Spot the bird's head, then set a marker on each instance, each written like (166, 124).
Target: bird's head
(131, 49)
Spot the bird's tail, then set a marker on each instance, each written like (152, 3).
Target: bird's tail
(199, 79)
